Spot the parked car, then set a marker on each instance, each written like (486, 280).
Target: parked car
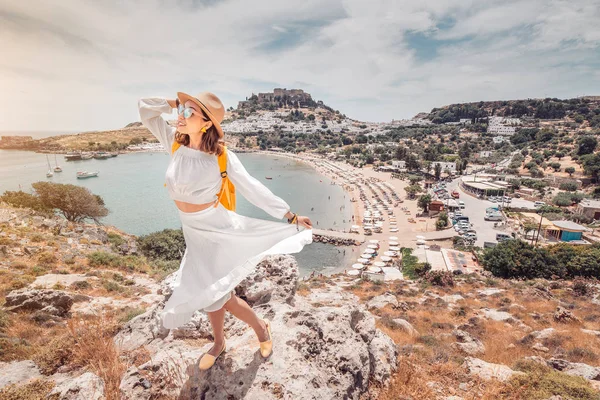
(493, 217)
(502, 236)
(507, 199)
(461, 204)
(471, 235)
(538, 204)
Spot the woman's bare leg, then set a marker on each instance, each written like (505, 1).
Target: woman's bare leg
(217, 320)
(241, 310)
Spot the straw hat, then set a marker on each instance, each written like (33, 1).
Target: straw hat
(210, 104)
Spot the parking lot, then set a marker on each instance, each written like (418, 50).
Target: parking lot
(475, 210)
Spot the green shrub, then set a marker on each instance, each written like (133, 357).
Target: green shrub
(541, 382)
(168, 245)
(115, 240)
(21, 199)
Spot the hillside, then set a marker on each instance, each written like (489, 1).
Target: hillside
(584, 109)
(80, 319)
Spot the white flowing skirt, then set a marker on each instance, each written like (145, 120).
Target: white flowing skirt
(223, 248)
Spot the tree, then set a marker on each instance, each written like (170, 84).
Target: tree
(437, 171)
(570, 170)
(76, 203)
(568, 186)
(555, 166)
(424, 202)
(412, 190)
(591, 165)
(586, 145)
(518, 259)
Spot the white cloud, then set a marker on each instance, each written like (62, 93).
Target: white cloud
(84, 64)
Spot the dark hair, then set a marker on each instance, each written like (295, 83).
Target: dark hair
(210, 142)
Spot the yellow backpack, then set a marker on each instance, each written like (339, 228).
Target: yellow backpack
(227, 192)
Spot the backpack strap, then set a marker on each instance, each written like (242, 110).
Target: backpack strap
(223, 168)
(175, 146)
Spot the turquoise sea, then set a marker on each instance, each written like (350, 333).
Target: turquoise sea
(132, 188)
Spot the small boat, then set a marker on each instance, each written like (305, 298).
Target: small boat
(73, 156)
(49, 174)
(268, 177)
(114, 154)
(57, 168)
(86, 174)
(86, 156)
(101, 155)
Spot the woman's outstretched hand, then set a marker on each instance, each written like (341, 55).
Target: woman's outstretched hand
(304, 221)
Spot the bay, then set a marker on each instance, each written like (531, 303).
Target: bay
(131, 185)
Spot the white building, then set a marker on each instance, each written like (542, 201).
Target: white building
(485, 154)
(499, 139)
(399, 164)
(450, 166)
(503, 126)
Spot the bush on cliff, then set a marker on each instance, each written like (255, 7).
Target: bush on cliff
(518, 259)
(21, 199)
(167, 245)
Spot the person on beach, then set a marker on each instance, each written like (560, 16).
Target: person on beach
(222, 247)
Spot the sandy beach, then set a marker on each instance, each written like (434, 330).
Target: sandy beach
(367, 178)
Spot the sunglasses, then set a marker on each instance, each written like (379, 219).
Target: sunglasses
(187, 111)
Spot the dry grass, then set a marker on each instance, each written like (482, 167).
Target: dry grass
(95, 349)
(497, 338)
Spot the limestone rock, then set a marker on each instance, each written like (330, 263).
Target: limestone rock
(382, 301)
(406, 326)
(467, 343)
(54, 302)
(489, 371)
(565, 316)
(87, 386)
(325, 345)
(496, 315)
(575, 369)
(18, 372)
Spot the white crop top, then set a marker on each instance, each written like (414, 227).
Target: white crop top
(193, 176)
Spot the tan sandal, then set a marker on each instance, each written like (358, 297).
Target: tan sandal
(208, 360)
(266, 347)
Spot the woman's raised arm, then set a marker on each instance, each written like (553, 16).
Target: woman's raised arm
(150, 110)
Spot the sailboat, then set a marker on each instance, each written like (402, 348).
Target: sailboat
(49, 174)
(57, 168)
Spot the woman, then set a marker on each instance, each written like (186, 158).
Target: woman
(222, 247)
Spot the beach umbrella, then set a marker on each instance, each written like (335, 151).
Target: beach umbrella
(420, 241)
(386, 258)
(393, 243)
(369, 251)
(393, 238)
(373, 241)
(379, 264)
(374, 269)
(366, 256)
(389, 253)
(353, 272)
(393, 229)
(358, 266)
(394, 248)
(421, 237)
(362, 260)
(372, 246)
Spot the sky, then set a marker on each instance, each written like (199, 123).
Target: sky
(79, 65)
